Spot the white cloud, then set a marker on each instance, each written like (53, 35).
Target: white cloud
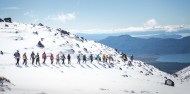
(151, 25)
(151, 22)
(32, 15)
(168, 28)
(10, 8)
(62, 17)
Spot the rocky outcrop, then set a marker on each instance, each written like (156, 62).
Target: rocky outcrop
(1, 20)
(169, 82)
(8, 20)
(40, 44)
(40, 24)
(63, 31)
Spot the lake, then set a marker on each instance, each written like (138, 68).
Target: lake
(169, 63)
(182, 58)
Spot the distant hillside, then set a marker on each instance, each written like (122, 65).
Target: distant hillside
(148, 34)
(155, 46)
(98, 37)
(163, 36)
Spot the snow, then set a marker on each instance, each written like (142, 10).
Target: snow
(184, 74)
(95, 78)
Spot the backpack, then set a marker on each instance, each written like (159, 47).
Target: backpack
(37, 56)
(57, 56)
(15, 54)
(63, 56)
(51, 57)
(43, 55)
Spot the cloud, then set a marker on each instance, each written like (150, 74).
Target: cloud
(151, 22)
(32, 15)
(168, 28)
(10, 8)
(150, 25)
(62, 17)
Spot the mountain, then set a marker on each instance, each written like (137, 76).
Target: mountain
(116, 77)
(98, 37)
(184, 74)
(154, 46)
(163, 36)
(147, 34)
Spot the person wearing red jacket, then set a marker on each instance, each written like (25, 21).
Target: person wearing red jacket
(44, 57)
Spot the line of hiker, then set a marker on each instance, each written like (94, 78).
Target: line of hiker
(36, 58)
(60, 57)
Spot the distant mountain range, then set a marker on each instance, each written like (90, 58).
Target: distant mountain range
(98, 37)
(152, 46)
(148, 34)
(163, 36)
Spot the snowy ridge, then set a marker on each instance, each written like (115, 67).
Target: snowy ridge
(53, 40)
(184, 74)
(95, 78)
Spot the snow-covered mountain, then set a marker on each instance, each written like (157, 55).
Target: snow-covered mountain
(184, 74)
(95, 78)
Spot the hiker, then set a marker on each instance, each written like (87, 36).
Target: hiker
(57, 58)
(63, 58)
(24, 59)
(37, 59)
(44, 57)
(91, 58)
(17, 57)
(132, 58)
(51, 58)
(98, 58)
(106, 58)
(110, 58)
(125, 58)
(103, 57)
(69, 59)
(78, 59)
(32, 56)
(84, 58)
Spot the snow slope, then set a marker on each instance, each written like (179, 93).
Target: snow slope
(95, 78)
(184, 74)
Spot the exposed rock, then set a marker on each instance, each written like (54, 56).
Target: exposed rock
(19, 38)
(16, 32)
(3, 80)
(40, 24)
(125, 75)
(77, 45)
(120, 68)
(85, 50)
(8, 20)
(6, 25)
(1, 20)
(35, 32)
(1, 52)
(169, 82)
(175, 75)
(40, 44)
(42, 39)
(63, 31)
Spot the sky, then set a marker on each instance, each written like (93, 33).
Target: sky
(100, 16)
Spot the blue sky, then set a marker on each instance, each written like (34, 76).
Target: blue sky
(100, 16)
